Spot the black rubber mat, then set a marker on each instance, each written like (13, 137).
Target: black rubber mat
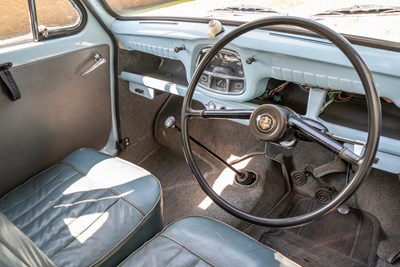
(335, 240)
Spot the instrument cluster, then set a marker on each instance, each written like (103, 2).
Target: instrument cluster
(224, 74)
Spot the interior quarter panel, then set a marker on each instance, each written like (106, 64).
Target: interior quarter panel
(59, 112)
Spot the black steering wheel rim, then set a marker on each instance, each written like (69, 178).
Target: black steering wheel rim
(374, 118)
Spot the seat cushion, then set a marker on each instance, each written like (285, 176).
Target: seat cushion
(199, 241)
(18, 250)
(89, 209)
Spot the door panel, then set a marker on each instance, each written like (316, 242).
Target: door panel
(60, 110)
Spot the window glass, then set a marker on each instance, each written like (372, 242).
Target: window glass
(15, 25)
(132, 7)
(378, 19)
(55, 15)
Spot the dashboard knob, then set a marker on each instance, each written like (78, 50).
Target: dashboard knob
(177, 49)
(212, 106)
(250, 60)
(215, 28)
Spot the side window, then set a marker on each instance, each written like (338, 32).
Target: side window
(15, 25)
(24, 20)
(55, 16)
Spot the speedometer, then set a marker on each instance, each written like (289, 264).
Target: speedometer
(224, 73)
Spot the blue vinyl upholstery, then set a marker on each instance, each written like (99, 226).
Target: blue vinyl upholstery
(199, 241)
(89, 209)
(18, 250)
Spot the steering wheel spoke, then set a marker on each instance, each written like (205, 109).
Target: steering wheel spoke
(228, 114)
(243, 114)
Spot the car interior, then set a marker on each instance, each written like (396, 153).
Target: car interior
(174, 141)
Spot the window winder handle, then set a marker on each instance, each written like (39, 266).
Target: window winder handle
(98, 61)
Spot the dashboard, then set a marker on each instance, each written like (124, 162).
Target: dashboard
(307, 74)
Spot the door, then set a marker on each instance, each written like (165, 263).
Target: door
(57, 86)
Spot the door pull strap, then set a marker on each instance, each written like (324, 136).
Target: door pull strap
(7, 82)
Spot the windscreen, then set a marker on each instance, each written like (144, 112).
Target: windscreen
(377, 19)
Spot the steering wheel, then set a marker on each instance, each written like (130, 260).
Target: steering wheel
(274, 123)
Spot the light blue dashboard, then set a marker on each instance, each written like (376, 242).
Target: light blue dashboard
(295, 58)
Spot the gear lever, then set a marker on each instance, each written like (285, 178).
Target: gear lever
(242, 177)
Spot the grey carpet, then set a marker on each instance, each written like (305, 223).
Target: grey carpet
(380, 196)
(305, 155)
(182, 194)
(335, 240)
(180, 190)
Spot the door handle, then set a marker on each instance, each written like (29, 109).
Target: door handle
(98, 61)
